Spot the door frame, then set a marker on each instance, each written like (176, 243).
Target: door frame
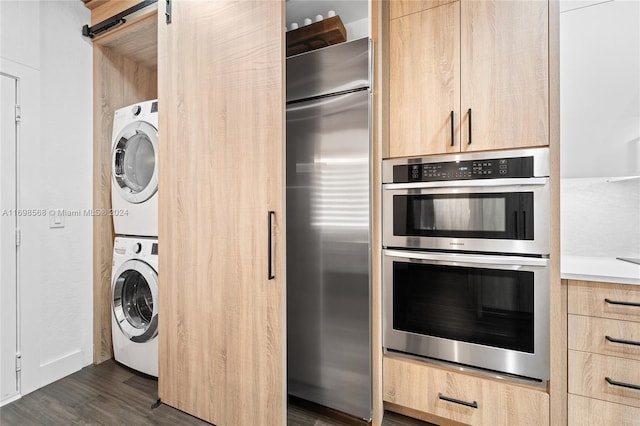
(16, 159)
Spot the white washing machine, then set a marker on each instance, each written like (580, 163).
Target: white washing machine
(134, 303)
(134, 175)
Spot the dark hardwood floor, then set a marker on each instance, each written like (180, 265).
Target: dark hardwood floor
(110, 394)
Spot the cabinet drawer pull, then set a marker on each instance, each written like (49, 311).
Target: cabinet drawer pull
(624, 342)
(473, 404)
(453, 134)
(622, 384)
(616, 302)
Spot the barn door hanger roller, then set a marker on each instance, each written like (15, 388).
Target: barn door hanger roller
(114, 21)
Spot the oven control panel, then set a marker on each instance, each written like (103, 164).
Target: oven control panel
(497, 168)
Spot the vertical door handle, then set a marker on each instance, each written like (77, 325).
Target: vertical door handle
(270, 274)
(452, 130)
(469, 113)
(167, 12)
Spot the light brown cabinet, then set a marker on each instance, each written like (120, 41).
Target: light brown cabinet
(447, 395)
(220, 90)
(604, 356)
(221, 258)
(424, 92)
(488, 91)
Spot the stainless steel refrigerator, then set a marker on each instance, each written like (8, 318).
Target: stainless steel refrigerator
(329, 227)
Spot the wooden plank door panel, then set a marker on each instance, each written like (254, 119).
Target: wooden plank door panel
(221, 121)
(425, 82)
(505, 73)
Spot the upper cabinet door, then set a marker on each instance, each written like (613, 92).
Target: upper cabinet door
(221, 260)
(424, 82)
(505, 74)
(398, 8)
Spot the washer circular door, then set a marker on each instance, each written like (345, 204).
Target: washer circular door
(135, 300)
(133, 162)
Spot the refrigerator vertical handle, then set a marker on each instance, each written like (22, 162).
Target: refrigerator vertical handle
(270, 274)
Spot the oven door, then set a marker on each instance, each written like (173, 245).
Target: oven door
(490, 312)
(499, 215)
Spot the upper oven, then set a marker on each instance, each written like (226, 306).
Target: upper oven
(481, 202)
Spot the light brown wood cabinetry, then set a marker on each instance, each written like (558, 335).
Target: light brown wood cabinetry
(604, 353)
(587, 411)
(498, 89)
(124, 72)
(398, 8)
(432, 391)
(425, 84)
(220, 90)
(221, 115)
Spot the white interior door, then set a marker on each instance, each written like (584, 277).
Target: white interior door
(9, 382)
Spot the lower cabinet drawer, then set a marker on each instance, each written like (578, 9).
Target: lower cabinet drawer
(604, 377)
(461, 397)
(604, 336)
(585, 411)
(604, 300)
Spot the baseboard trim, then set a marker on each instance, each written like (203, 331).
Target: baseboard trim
(10, 399)
(61, 367)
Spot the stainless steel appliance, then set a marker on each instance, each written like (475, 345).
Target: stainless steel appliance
(465, 264)
(328, 227)
(489, 202)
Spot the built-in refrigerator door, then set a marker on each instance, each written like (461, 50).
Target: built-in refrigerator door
(332, 69)
(328, 252)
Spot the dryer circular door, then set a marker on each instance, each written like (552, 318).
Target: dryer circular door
(135, 300)
(133, 162)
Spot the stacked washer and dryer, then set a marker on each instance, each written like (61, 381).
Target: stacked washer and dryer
(134, 202)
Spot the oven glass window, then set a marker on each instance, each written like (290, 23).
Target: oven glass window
(484, 306)
(500, 215)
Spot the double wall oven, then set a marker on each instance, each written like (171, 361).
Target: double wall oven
(466, 259)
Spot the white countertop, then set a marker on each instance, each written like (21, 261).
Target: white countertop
(604, 269)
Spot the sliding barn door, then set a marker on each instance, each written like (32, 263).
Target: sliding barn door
(221, 252)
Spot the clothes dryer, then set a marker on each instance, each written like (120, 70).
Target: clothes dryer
(134, 176)
(134, 303)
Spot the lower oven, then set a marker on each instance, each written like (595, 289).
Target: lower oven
(485, 311)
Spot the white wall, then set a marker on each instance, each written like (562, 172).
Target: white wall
(42, 44)
(600, 88)
(600, 217)
(600, 127)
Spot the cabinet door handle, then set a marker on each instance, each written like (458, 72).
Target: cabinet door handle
(469, 113)
(622, 384)
(167, 12)
(473, 404)
(270, 274)
(453, 134)
(617, 302)
(624, 342)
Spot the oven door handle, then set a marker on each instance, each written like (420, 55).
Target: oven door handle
(469, 259)
(469, 183)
